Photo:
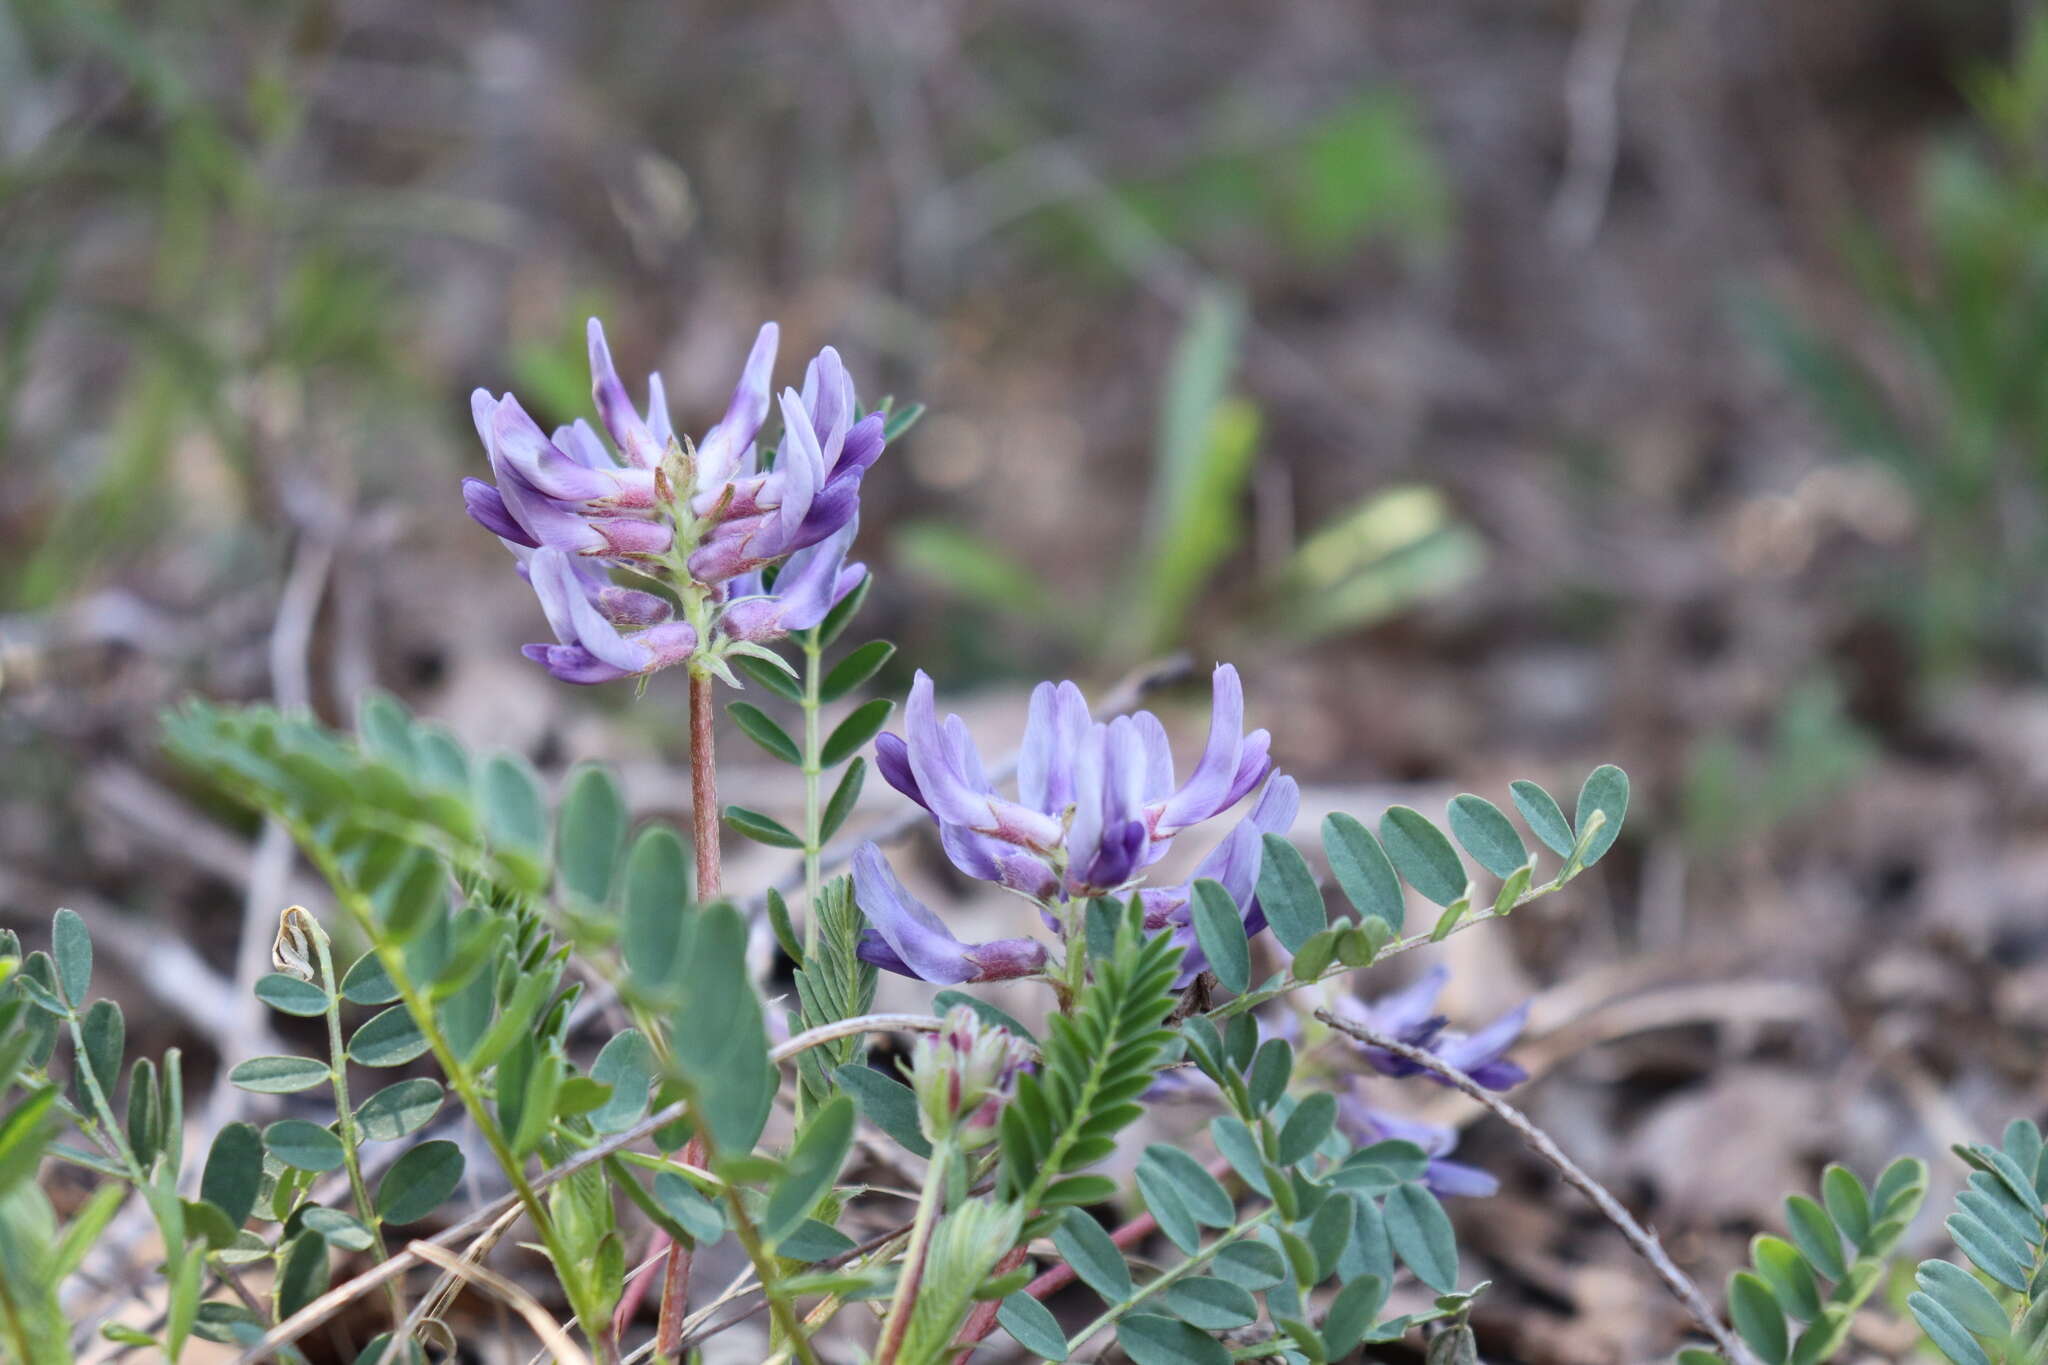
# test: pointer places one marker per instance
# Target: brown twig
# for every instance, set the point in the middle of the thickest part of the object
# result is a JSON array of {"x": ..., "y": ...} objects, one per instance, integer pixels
[{"x": 1640, "y": 1238}]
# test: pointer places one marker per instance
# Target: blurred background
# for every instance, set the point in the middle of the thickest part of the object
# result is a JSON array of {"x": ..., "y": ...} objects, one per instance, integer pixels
[{"x": 1506, "y": 386}]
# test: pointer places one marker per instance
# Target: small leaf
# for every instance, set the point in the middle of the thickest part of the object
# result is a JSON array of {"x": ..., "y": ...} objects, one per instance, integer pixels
[
  {"x": 1758, "y": 1317},
  {"x": 302, "y": 1271},
  {"x": 1288, "y": 893},
  {"x": 1606, "y": 791},
  {"x": 390, "y": 1038},
  {"x": 760, "y": 671},
  {"x": 1095, "y": 1259},
  {"x": 590, "y": 833},
  {"x": 1788, "y": 1275},
  {"x": 1847, "y": 1204},
  {"x": 862, "y": 725},
  {"x": 1311, "y": 1122},
  {"x": 1487, "y": 835},
  {"x": 1362, "y": 870},
  {"x": 626, "y": 1064},
  {"x": 1168, "y": 1209},
  {"x": 1212, "y": 1304},
  {"x": 657, "y": 905},
  {"x": 1271, "y": 1068},
  {"x": 515, "y": 815},
  {"x": 762, "y": 829},
  {"x": 1202, "y": 1192},
  {"x": 885, "y": 1102},
  {"x": 1352, "y": 1312},
  {"x": 105, "y": 1031},
  {"x": 1422, "y": 1237},
  {"x": 1942, "y": 1328},
  {"x": 843, "y": 798},
  {"x": 234, "y": 1171},
  {"x": 1963, "y": 1295},
  {"x": 399, "y": 1109},
  {"x": 1546, "y": 821},
  {"x": 1033, "y": 1326},
  {"x": 71, "y": 946},
  {"x": 756, "y": 725},
  {"x": 289, "y": 995},
  {"x": 303, "y": 1145},
  {"x": 1241, "y": 1149},
  {"x": 419, "y": 1181},
  {"x": 855, "y": 669},
  {"x": 1251, "y": 1264},
  {"x": 1219, "y": 929},
  {"x": 340, "y": 1229},
  {"x": 697, "y": 1216},
  {"x": 810, "y": 1169},
  {"x": 367, "y": 983},
  {"x": 278, "y": 1075},
  {"x": 1423, "y": 855},
  {"x": 1813, "y": 1232},
  {"x": 1149, "y": 1339}
]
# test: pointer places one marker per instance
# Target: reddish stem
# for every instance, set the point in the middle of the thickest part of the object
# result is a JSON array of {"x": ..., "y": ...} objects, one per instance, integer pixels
[
  {"x": 982, "y": 1320},
  {"x": 675, "y": 1281},
  {"x": 704, "y": 787}
]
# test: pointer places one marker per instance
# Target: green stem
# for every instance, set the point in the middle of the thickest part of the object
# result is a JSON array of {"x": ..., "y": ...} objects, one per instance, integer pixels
[
  {"x": 114, "y": 1137},
  {"x": 897, "y": 1324},
  {"x": 10, "y": 1311},
  {"x": 780, "y": 1309},
  {"x": 1253, "y": 999},
  {"x": 351, "y": 1136},
  {"x": 1193, "y": 1263}
]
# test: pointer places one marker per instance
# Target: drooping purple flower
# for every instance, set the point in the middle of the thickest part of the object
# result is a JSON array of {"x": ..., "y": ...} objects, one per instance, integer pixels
[
  {"x": 907, "y": 938},
  {"x": 1409, "y": 1016},
  {"x": 590, "y": 648},
  {"x": 1364, "y": 1125},
  {"x": 811, "y": 582},
  {"x": 1096, "y": 801},
  {"x": 1096, "y": 804}
]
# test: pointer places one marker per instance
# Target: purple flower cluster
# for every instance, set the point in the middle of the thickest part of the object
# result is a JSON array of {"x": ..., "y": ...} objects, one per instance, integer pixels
[
  {"x": 1097, "y": 804},
  {"x": 707, "y": 518}
]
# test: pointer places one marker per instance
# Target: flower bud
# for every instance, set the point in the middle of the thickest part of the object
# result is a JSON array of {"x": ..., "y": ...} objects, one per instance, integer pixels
[{"x": 963, "y": 1075}]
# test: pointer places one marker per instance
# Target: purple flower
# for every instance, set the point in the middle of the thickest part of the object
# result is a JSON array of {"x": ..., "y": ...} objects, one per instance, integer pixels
[
  {"x": 907, "y": 938},
  {"x": 1364, "y": 1125},
  {"x": 592, "y": 649},
  {"x": 602, "y": 506},
  {"x": 1097, "y": 802},
  {"x": 813, "y": 489},
  {"x": 811, "y": 582},
  {"x": 1409, "y": 1016}
]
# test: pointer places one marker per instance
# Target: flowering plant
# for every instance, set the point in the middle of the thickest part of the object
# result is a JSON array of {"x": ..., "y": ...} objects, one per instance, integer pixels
[{"x": 574, "y": 997}]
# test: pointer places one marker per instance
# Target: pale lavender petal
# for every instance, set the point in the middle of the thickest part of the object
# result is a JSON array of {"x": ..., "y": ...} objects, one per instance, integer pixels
[
  {"x": 863, "y": 444},
  {"x": 658, "y": 424},
  {"x": 562, "y": 598},
  {"x": 915, "y": 936},
  {"x": 1158, "y": 757},
  {"x": 487, "y": 506},
  {"x": 719, "y": 455},
  {"x": 629, "y": 433},
  {"x": 1038, "y": 752},
  {"x": 1252, "y": 766},
  {"x": 946, "y": 792},
  {"x": 1204, "y": 792},
  {"x": 522, "y": 444},
  {"x": 799, "y": 466},
  {"x": 580, "y": 442},
  {"x": 892, "y": 761},
  {"x": 547, "y": 521},
  {"x": 573, "y": 664}
]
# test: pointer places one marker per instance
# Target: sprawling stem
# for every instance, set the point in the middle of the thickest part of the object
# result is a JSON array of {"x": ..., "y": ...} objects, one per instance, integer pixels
[
  {"x": 351, "y": 1135},
  {"x": 929, "y": 1205}
]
